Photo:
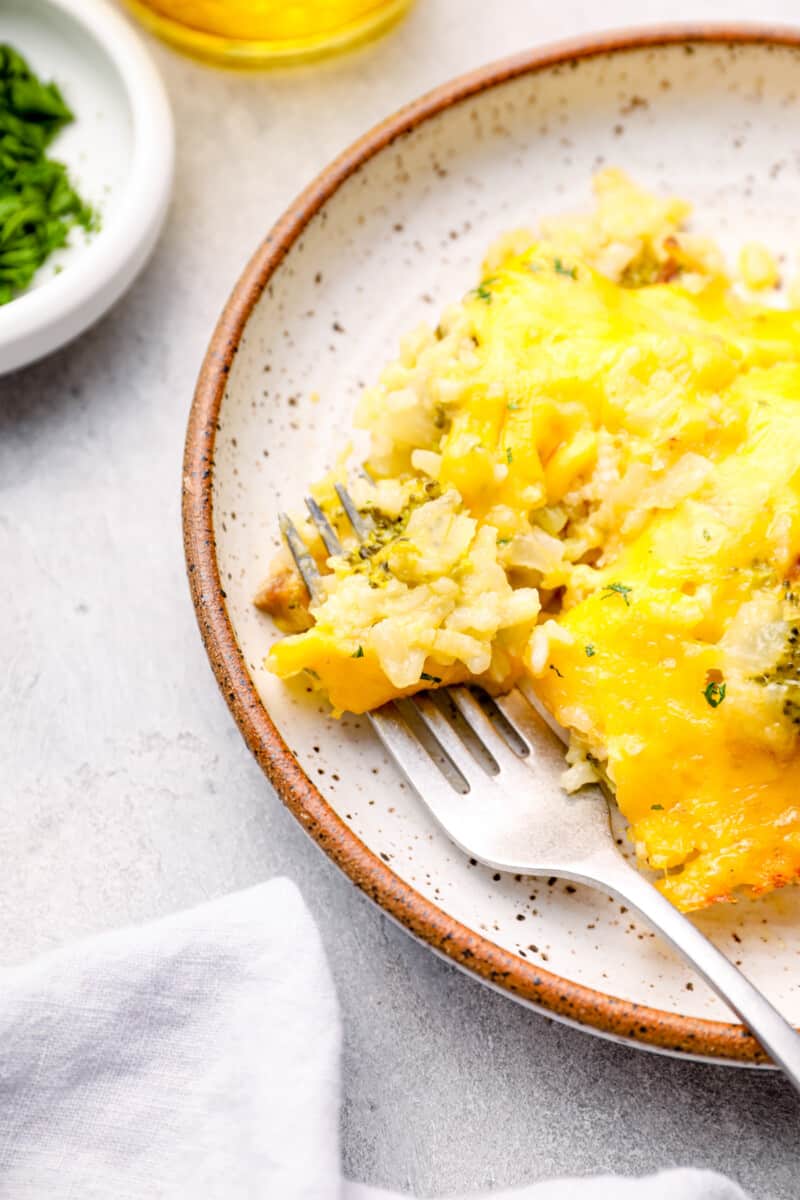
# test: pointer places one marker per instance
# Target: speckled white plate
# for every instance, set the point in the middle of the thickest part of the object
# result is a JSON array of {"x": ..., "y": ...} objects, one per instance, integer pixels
[{"x": 392, "y": 231}]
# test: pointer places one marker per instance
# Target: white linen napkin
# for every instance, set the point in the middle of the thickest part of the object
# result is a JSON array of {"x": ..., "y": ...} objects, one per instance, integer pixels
[{"x": 197, "y": 1058}]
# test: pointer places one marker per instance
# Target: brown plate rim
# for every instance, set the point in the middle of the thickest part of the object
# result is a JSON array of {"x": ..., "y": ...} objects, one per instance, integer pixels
[{"x": 602, "y": 1013}]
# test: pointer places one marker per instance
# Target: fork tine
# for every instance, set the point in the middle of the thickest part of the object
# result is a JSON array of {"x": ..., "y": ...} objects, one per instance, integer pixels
[
  {"x": 526, "y": 689},
  {"x": 484, "y": 728},
  {"x": 303, "y": 560},
  {"x": 539, "y": 728},
  {"x": 440, "y": 728},
  {"x": 523, "y": 695},
  {"x": 363, "y": 526},
  {"x": 323, "y": 527},
  {"x": 516, "y": 711},
  {"x": 407, "y": 750}
]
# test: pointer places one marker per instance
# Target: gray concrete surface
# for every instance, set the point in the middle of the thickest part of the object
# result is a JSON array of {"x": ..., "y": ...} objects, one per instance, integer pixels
[{"x": 125, "y": 790}]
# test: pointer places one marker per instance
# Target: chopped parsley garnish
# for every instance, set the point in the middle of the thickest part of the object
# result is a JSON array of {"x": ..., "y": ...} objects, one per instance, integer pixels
[
  {"x": 38, "y": 204},
  {"x": 430, "y": 678},
  {"x": 560, "y": 269},
  {"x": 359, "y": 653},
  {"x": 589, "y": 650},
  {"x": 483, "y": 290},
  {"x": 513, "y": 407},
  {"x": 706, "y": 535},
  {"x": 715, "y": 693},
  {"x": 657, "y": 807},
  {"x": 503, "y": 541},
  {"x": 618, "y": 589}
]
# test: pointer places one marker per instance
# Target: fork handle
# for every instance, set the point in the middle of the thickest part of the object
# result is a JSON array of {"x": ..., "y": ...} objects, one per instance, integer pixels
[{"x": 768, "y": 1027}]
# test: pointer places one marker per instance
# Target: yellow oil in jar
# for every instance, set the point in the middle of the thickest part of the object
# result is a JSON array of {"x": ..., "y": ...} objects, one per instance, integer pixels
[{"x": 253, "y": 32}]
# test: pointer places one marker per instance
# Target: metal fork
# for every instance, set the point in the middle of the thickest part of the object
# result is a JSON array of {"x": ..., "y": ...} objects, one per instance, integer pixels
[{"x": 493, "y": 787}]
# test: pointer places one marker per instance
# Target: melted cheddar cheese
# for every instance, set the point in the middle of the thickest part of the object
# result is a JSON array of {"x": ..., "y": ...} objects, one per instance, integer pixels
[{"x": 593, "y": 475}]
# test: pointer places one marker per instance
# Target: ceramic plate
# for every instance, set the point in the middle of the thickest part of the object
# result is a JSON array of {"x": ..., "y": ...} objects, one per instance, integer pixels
[
  {"x": 389, "y": 233},
  {"x": 119, "y": 151}
]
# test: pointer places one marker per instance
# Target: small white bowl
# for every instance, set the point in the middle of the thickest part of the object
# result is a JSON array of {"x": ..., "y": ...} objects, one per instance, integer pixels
[{"x": 120, "y": 155}]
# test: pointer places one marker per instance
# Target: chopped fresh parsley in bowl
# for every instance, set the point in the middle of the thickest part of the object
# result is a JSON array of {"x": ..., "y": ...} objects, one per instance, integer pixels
[{"x": 39, "y": 205}]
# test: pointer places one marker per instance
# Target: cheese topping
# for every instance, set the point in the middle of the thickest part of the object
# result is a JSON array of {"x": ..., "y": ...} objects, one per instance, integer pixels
[{"x": 590, "y": 471}]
